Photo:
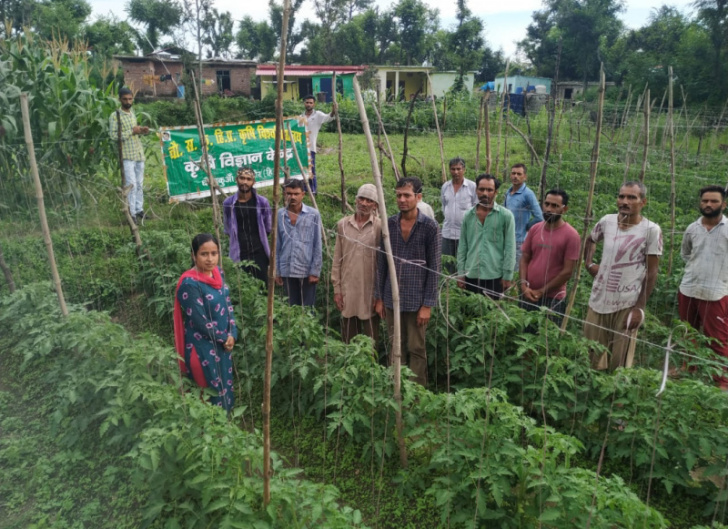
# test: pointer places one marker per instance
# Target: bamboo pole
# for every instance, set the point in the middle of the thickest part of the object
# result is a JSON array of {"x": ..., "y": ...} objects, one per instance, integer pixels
[
  {"x": 659, "y": 114},
  {"x": 505, "y": 139},
  {"x": 344, "y": 202},
  {"x": 671, "y": 128},
  {"x": 717, "y": 125},
  {"x": 486, "y": 125},
  {"x": 41, "y": 205},
  {"x": 588, "y": 211},
  {"x": 396, "y": 340},
  {"x": 528, "y": 144},
  {"x": 267, "y": 470},
  {"x": 389, "y": 146},
  {"x": 437, "y": 127},
  {"x": 549, "y": 137},
  {"x": 480, "y": 133},
  {"x": 500, "y": 114},
  {"x": 6, "y": 272},
  {"x": 631, "y": 142},
  {"x": 646, "y": 145},
  {"x": 214, "y": 188},
  {"x": 406, "y": 133}
]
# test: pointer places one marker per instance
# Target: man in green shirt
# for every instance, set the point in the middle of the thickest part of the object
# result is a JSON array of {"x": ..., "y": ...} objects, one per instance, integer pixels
[{"x": 487, "y": 248}]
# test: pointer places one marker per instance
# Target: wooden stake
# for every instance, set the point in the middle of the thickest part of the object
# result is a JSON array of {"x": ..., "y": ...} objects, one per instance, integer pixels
[
  {"x": 41, "y": 205},
  {"x": 214, "y": 188},
  {"x": 480, "y": 133},
  {"x": 6, "y": 272},
  {"x": 588, "y": 210},
  {"x": 500, "y": 114},
  {"x": 389, "y": 147},
  {"x": 341, "y": 150},
  {"x": 486, "y": 125},
  {"x": 646, "y": 145},
  {"x": 671, "y": 129},
  {"x": 406, "y": 133},
  {"x": 549, "y": 137},
  {"x": 437, "y": 127},
  {"x": 396, "y": 340},
  {"x": 659, "y": 115},
  {"x": 267, "y": 471}
]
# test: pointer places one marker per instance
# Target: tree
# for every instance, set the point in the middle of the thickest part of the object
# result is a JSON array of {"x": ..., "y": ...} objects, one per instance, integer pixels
[
  {"x": 417, "y": 26},
  {"x": 217, "y": 32},
  {"x": 583, "y": 28},
  {"x": 18, "y": 13},
  {"x": 108, "y": 36},
  {"x": 466, "y": 43},
  {"x": 492, "y": 63},
  {"x": 294, "y": 38},
  {"x": 353, "y": 7},
  {"x": 256, "y": 40},
  {"x": 713, "y": 14},
  {"x": 159, "y": 16}
]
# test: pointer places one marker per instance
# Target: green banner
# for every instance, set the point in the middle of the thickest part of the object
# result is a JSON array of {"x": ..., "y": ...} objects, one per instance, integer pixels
[{"x": 229, "y": 146}]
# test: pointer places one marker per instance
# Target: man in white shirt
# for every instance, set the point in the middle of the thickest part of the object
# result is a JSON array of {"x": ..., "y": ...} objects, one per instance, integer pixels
[
  {"x": 703, "y": 293},
  {"x": 457, "y": 196},
  {"x": 312, "y": 119},
  {"x": 624, "y": 279}
]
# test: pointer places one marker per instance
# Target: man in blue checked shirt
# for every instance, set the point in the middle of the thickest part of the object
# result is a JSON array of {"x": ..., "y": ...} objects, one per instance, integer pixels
[
  {"x": 415, "y": 240},
  {"x": 522, "y": 202},
  {"x": 298, "y": 246}
]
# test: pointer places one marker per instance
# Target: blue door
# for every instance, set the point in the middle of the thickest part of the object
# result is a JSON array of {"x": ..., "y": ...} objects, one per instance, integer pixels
[{"x": 326, "y": 87}]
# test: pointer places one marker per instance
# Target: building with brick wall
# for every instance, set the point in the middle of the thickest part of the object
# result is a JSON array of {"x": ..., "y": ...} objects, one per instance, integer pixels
[{"x": 159, "y": 74}]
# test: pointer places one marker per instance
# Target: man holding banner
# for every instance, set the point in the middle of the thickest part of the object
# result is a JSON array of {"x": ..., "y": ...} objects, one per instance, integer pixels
[
  {"x": 247, "y": 220},
  {"x": 313, "y": 119}
]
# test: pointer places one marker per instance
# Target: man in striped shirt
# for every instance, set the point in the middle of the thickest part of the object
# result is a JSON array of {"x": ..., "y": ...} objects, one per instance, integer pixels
[{"x": 132, "y": 151}]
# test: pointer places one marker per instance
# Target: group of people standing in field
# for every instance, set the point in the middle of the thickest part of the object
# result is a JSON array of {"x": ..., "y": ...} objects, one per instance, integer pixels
[
  {"x": 489, "y": 250},
  {"x": 487, "y": 246}
]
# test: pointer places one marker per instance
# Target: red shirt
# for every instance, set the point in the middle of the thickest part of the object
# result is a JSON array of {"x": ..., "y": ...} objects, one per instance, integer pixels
[{"x": 549, "y": 249}]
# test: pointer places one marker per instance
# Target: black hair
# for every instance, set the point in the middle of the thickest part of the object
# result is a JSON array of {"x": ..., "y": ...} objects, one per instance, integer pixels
[
  {"x": 309, "y": 96},
  {"x": 522, "y": 165},
  {"x": 486, "y": 176},
  {"x": 413, "y": 181},
  {"x": 640, "y": 185},
  {"x": 560, "y": 192},
  {"x": 202, "y": 238},
  {"x": 713, "y": 189},
  {"x": 294, "y": 183},
  {"x": 125, "y": 91},
  {"x": 457, "y": 161}
]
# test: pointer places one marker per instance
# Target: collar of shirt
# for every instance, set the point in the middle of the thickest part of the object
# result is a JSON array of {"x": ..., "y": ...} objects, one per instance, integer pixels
[
  {"x": 517, "y": 191},
  {"x": 351, "y": 219}
]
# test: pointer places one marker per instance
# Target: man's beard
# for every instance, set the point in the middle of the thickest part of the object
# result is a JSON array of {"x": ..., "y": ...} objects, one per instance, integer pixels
[
  {"x": 551, "y": 218},
  {"x": 710, "y": 214},
  {"x": 126, "y": 107}
]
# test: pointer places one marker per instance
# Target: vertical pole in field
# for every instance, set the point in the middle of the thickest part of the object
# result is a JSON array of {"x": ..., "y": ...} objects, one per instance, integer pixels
[
  {"x": 486, "y": 126},
  {"x": 553, "y": 96},
  {"x": 272, "y": 266},
  {"x": 6, "y": 272},
  {"x": 437, "y": 126},
  {"x": 646, "y": 138},
  {"x": 41, "y": 205},
  {"x": 480, "y": 133},
  {"x": 500, "y": 114},
  {"x": 341, "y": 150},
  {"x": 396, "y": 339},
  {"x": 206, "y": 161},
  {"x": 588, "y": 210},
  {"x": 671, "y": 131}
]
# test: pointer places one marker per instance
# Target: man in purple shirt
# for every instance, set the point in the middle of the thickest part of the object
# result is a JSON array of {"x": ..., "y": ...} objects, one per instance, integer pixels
[{"x": 247, "y": 220}]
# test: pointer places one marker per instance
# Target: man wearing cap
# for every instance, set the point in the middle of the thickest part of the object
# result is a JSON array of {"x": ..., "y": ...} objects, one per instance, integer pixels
[{"x": 354, "y": 270}]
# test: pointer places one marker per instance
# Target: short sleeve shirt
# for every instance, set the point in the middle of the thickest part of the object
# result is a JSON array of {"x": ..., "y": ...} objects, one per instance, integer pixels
[
  {"x": 705, "y": 253},
  {"x": 313, "y": 126},
  {"x": 623, "y": 267},
  {"x": 549, "y": 250}
]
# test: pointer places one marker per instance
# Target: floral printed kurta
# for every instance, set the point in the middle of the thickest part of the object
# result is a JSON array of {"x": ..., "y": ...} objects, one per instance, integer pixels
[{"x": 208, "y": 321}]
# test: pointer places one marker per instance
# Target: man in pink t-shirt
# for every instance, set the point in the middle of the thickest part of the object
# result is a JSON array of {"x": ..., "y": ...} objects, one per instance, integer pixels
[{"x": 548, "y": 256}]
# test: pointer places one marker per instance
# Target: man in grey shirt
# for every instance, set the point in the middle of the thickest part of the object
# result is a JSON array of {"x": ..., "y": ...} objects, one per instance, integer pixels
[{"x": 703, "y": 293}]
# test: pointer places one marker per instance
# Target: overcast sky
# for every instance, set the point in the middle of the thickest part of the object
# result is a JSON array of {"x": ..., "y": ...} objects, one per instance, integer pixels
[{"x": 504, "y": 26}]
